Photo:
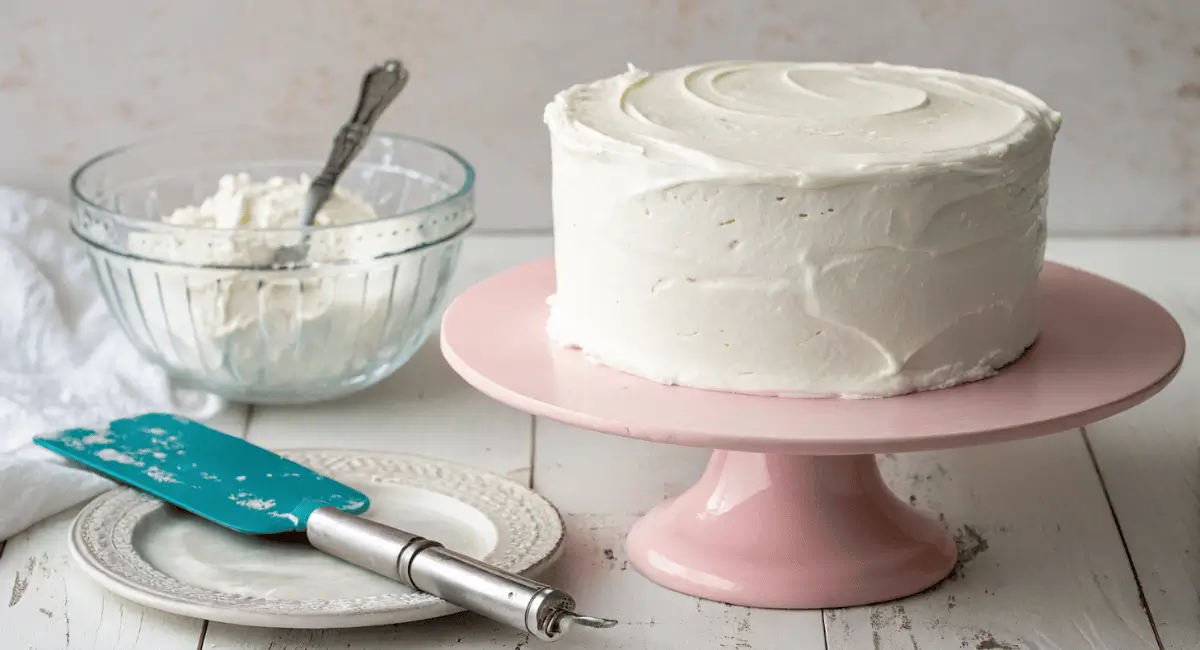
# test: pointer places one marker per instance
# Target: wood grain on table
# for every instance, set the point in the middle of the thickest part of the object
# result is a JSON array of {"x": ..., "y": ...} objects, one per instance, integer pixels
[{"x": 1088, "y": 539}]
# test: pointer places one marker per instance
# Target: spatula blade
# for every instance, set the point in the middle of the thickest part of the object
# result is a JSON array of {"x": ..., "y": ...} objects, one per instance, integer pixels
[{"x": 217, "y": 476}]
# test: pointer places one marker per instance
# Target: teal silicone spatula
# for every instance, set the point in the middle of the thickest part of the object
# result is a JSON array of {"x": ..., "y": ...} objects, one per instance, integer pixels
[{"x": 252, "y": 490}]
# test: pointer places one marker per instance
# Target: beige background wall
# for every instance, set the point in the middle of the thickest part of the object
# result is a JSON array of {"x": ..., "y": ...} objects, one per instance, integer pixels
[{"x": 80, "y": 75}]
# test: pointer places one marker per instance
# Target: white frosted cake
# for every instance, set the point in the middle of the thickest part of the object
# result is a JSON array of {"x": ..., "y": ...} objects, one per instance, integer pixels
[{"x": 799, "y": 229}]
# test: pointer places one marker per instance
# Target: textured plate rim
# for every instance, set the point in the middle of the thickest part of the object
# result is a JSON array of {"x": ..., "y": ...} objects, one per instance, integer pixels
[{"x": 110, "y": 519}]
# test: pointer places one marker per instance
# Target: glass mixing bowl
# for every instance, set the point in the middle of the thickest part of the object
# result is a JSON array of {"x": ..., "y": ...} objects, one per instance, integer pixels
[{"x": 212, "y": 307}]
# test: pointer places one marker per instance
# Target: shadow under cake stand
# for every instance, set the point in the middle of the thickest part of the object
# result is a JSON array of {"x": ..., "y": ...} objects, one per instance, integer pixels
[{"x": 792, "y": 511}]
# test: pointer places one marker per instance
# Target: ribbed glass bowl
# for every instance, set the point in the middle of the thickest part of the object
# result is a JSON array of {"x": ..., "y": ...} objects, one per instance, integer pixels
[{"x": 211, "y": 307}]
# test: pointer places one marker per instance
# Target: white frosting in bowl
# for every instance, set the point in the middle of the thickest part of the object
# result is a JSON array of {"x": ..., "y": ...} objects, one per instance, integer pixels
[{"x": 799, "y": 229}]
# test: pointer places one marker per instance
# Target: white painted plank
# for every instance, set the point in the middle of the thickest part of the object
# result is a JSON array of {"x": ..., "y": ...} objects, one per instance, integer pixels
[
  {"x": 52, "y": 604},
  {"x": 602, "y": 483},
  {"x": 461, "y": 632},
  {"x": 1151, "y": 466},
  {"x": 1149, "y": 457},
  {"x": 1137, "y": 479},
  {"x": 426, "y": 409},
  {"x": 1041, "y": 563},
  {"x": 485, "y": 255},
  {"x": 588, "y": 473},
  {"x": 232, "y": 419}
]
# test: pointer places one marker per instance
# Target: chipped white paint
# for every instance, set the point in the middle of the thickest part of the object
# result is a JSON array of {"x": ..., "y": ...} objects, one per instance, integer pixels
[
  {"x": 52, "y": 606},
  {"x": 1150, "y": 456},
  {"x": 1042, "y": 562}
]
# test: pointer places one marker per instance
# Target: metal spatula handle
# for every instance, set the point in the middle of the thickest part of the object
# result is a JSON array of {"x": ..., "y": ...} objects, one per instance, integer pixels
[{"x": 543, "y": 611}]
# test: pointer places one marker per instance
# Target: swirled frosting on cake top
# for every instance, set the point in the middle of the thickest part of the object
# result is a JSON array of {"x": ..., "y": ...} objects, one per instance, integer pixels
[{"x": 812, "y": 120}]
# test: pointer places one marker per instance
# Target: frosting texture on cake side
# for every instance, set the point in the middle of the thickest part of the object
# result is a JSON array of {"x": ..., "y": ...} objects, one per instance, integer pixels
[{"x": 821, "y": 229}]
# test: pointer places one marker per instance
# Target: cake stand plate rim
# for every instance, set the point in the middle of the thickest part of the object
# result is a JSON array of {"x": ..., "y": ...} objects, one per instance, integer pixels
[{"x": 1104, "y": 348}]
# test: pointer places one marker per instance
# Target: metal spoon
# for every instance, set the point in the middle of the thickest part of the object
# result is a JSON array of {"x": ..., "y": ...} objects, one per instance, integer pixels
[{"x": 379, "y": 87}]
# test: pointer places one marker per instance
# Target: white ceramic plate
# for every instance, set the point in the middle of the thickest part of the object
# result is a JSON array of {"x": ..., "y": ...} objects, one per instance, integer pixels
[{"x": 156, "y": 555}]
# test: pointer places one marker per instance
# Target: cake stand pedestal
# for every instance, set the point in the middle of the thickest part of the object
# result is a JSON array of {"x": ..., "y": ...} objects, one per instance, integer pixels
[{"x": 792, "y": 511}]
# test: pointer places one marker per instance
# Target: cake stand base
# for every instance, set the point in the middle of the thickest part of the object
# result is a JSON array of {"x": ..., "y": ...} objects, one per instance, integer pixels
[
  {"x": 792, "y": 511},
  {"x": 792, "y": 532}
]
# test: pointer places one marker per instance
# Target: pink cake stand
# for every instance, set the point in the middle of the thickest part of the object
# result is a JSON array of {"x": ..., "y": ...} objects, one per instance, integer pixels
[{"x": 792, "y": 511}]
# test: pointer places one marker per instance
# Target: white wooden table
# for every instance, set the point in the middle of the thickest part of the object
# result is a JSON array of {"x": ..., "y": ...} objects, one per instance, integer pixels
[{"x": 1088, "y": 539}]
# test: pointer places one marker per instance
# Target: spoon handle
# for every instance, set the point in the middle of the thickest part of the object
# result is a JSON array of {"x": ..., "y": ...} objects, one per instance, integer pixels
[{"x": 380, "y": 86}]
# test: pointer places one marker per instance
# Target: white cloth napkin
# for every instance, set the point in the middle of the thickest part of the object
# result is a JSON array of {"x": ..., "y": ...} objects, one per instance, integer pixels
[{"x": 64, "y": 362}]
